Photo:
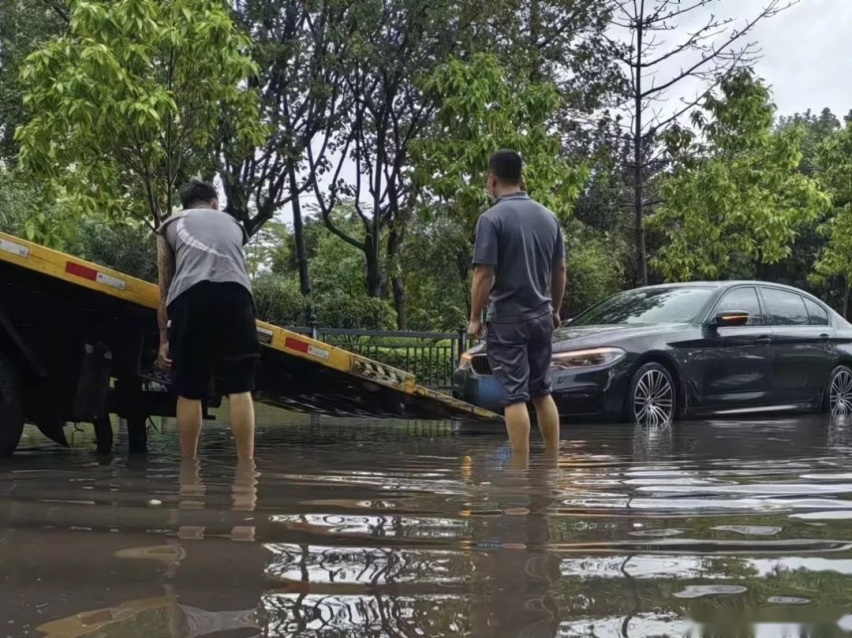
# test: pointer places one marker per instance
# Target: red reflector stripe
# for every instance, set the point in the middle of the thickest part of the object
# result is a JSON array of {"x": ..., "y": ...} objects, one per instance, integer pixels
[
  {"x": 93, "y": 275},
  {"x": 81, "y": 271},
  {"x": 295, "y": 344}
]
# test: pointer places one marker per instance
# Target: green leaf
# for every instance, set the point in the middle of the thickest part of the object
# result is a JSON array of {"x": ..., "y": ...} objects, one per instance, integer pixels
[
  {"x": 735, "y": 194},
  {"x": 97, "y": 97}
]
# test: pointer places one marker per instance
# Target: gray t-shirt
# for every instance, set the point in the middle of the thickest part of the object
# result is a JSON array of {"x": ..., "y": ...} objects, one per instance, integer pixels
[
  {"x": 208, "y": 246},
  {"x": 521, "y": 239}
]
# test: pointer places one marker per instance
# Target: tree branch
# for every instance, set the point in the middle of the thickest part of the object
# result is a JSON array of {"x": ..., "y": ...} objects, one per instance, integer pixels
[
  {"x": 771, "y": 9},
  {"x": 61, "y": 11},
  {"x": 326, "y": 208}
]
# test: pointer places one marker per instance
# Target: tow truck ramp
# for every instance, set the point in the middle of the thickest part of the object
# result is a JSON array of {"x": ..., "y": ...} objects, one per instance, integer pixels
[{"x": 46, "y": 293}]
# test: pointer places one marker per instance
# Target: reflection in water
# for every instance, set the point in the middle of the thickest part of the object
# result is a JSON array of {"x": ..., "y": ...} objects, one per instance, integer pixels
[
  {"x": 652, "y": 442},
  {"x": 186, "y": 620},
  {"x": 705, "y": 529},
  {"x": 840, "y": 431},
  {"x": 515, "y": 580}
]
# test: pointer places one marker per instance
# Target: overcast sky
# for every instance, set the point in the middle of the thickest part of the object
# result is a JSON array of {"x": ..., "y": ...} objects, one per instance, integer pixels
[
  {"x": 803, "y": 52},
  {"x": 805, "y": 57}
]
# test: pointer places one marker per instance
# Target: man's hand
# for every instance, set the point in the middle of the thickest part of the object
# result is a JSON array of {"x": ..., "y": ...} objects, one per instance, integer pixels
[
  {"x": 557, "y": 321},
  {"x": 163, "y": 359},
  {"x": 474, "y": 328}
]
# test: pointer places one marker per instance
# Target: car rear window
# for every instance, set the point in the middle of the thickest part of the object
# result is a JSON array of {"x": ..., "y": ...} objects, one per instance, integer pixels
[
  {"x": 816, "y": 313},
  {"x": 785, "y": 308}
]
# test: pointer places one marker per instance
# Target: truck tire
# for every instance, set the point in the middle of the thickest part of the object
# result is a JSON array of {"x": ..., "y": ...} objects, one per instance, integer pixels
[{"x": 11, "y": 410}]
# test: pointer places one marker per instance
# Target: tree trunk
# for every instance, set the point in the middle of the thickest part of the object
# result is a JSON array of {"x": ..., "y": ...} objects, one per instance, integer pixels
[
  {"x": 399, "y": 301},
  {"x": 238, "y": 201},
  {"x": 395, "y": 239},
  {"x": 535, "y": 29},
  {"x": 373, "y": 281},
  {"x": 638, "y": 157},
  {"x": 299, "y": 232}
]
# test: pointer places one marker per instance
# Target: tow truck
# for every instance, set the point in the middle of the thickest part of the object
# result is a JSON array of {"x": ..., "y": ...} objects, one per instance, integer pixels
[{"x": 78, "y": 342}]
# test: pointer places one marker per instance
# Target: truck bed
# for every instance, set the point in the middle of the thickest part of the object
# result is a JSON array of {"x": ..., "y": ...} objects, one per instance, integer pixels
[{"x": 296, "y": 372}]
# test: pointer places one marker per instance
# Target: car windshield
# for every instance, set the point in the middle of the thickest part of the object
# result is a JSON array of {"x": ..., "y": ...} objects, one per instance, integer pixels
[{"x": 647, "y": 307}]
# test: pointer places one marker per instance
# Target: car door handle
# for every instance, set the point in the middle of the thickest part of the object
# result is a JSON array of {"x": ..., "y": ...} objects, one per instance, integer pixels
[
  {"x": 825, "y": 337},
  {"x": 764, "y": 339}
]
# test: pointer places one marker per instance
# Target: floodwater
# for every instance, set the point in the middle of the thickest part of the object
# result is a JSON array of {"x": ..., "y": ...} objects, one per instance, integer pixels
[{"x": 719, "y": 528}]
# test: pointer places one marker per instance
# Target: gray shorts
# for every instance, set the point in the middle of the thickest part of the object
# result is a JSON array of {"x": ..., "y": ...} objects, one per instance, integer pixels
[{"x": 519, "y": 355}]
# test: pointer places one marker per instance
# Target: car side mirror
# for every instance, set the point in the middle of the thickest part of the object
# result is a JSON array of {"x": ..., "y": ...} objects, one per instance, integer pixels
[{"x": 730, "y": 319}]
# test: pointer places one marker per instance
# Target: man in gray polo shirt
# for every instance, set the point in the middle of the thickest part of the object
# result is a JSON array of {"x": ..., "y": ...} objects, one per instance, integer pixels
[{"x": 519, "y": 272}]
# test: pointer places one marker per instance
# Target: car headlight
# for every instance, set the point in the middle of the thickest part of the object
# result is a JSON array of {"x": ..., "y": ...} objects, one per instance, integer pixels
[
  {"x": 466, "y": 361},
  {"x": 590, "y": 358}
]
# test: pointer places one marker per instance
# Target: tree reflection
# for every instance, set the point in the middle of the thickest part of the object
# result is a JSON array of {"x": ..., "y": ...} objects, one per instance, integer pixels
[
  {"x": 648, "y": 307},
  {"x": 340, "y": 589}
]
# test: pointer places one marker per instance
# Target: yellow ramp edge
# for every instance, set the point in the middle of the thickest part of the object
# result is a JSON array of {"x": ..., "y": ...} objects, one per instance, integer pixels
[{"x": 110, "y": 282}]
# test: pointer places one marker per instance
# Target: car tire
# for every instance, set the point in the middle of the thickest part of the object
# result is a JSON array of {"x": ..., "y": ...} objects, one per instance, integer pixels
[
  {"x": 11, "y": 409},
  {"x": 837, "y": 399},
  {"x": 652, "y": 398}
]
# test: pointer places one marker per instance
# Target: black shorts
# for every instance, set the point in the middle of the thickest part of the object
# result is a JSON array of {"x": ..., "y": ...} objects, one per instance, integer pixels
[
  {"x": 519, "y": 355},
  {"x": 213, "y": 336}
]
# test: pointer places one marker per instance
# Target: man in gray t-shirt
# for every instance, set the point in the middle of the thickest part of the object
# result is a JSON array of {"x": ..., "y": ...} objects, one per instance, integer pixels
[
  {"x": 519, "y": 272},
  {"x": 206, "y": 316}
]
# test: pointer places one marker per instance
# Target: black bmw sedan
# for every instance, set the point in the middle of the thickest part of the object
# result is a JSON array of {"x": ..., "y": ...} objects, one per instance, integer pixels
[{"x": 659, "y": 353}]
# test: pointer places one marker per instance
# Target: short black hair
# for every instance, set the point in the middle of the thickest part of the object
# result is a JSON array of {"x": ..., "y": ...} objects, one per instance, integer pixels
[
  {"x": 195, "y": 193},
  {"x": 507, "y": 166}
]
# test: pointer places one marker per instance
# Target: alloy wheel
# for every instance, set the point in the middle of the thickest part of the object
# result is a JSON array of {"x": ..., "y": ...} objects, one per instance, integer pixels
[
  {"x": 840, "y": 394},
  {"x": 653, "y": 399}
]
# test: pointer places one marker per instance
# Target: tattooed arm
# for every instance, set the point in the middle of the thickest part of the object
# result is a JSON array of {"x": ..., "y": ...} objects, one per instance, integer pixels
[{"x": 166, "y": 268}]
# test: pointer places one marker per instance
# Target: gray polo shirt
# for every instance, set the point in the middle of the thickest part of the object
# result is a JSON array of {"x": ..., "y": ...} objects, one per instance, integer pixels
[
  {"x": 208, "y": 246},
  {"x": 521, "y": 239}
]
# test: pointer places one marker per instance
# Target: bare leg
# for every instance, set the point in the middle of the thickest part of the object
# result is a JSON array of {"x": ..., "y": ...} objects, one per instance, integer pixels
[
  {"x": 520, "y": 460},
  {"x": 547, "y": 416},
  {"x": 242, "y": 424},
  {"x": 518, "y": 427},
  {"x": 189, "y": 419}
]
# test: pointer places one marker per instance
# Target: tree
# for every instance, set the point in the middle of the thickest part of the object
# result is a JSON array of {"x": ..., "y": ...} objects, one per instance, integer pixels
[
  {"x": 835, "y": 161},
  {"x": 300, "y": 48},
  {"x": 595, "y": 263},
  {"x": 734, "y": 188},
  {"x": 436, "y": 262},
  {"x": 564, "y": 42},
  {"x": 128, "y": 103},
  {"x": 24, "y": 26},
  {"x": 394, "y": 45},
  {"x": 817, "y": 129},
  {"x": 708, "y": 51},
  {"x": 480, "y": 111},
  {"x": 264, "y": 249},
  {"x": 338, "y": 297},
  {"x": 128, "y": 247},
  {"x": 798, "y": 268},
  {"x": 27, "y": 210}
]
